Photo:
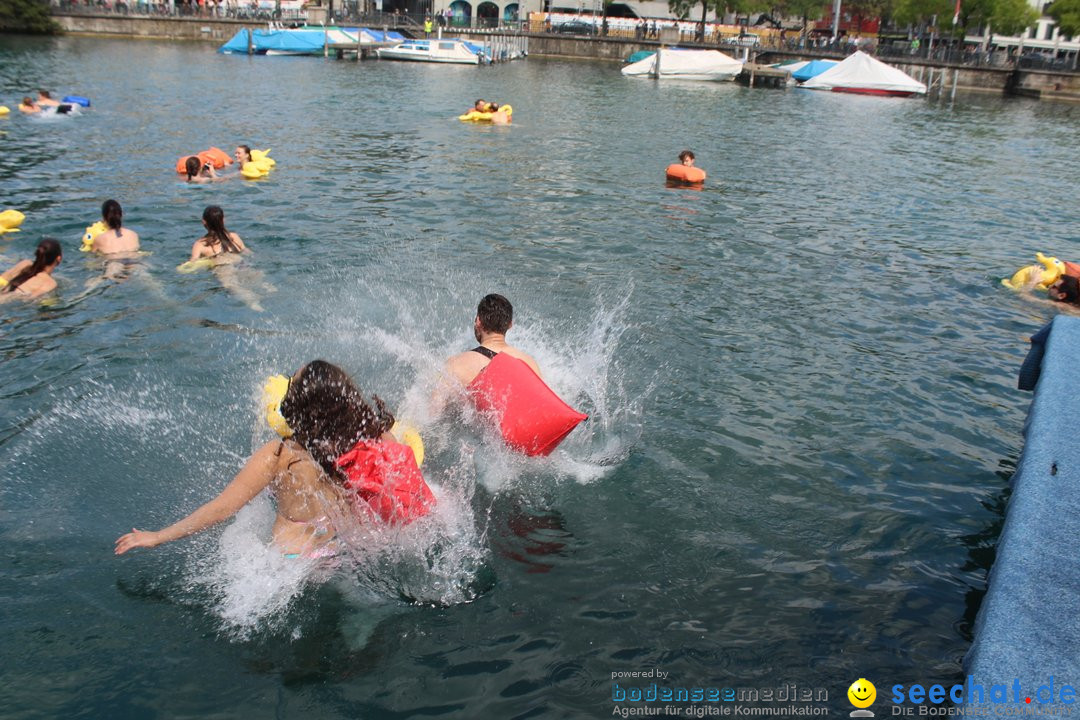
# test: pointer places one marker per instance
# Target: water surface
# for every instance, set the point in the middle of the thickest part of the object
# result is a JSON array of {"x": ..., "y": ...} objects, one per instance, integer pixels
[{"x": 801, "y": 380}]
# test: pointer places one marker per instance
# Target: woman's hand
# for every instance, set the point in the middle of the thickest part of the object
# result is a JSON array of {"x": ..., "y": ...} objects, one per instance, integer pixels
[{"x": 137, "y": 538}]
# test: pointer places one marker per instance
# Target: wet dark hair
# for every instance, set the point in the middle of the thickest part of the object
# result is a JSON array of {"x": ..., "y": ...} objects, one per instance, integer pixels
[
  {"x": 45, "y": 255},
  {"x": 45, "y": 94},
  {"x": 495, "y": 313},
  {"x": 246, "y": 149},
  {"x": 686, "y": 154},
  {"x": 27, "y": 100},
  {"x": 329, "y": 415},
  {"x": 214, "y": 217},
  {"x": 1070, "y": 287},
  {"x": 112, "y": 214},
  {"x": 192, "y": 166}
]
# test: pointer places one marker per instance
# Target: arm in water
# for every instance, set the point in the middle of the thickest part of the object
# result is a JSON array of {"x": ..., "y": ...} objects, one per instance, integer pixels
[{"x": 249, "y": 482}]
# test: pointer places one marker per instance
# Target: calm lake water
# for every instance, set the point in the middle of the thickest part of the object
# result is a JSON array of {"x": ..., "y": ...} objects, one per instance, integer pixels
[{"x": 801, "y": 381}]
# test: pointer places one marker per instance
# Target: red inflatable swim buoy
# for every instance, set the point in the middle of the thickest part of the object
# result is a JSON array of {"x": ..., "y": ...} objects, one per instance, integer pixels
[
  {"x": 215, "y": 156},
  {"x": 684, "y": 173},
  {"x": 532, "y": 418},
  {"x": 385, "y": 477}
]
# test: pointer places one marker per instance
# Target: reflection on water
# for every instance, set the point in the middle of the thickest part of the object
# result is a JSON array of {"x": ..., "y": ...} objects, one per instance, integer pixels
[{"x": 799, "y": 379}]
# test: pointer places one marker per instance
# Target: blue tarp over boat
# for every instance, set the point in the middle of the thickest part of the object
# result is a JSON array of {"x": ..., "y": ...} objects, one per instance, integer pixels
[
  {"x": 812, "y": 69},
  {"x": 306, "y": 41}
]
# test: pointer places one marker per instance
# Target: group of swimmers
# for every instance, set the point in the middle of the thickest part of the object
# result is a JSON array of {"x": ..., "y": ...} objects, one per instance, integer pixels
[
  {"x": 29, "y": 106},
  {"x": 199, "y": 172},
  {"x": 30, "y": 279},
  {"x": 498, "y": 117},
  {"x": 337, "y": 461}
]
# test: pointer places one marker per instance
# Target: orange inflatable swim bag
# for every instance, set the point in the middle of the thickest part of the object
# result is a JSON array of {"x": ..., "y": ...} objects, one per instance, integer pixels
[
  {"x": 215, "y": 156},
  {"x": 684, "y": 173},
  {"x": 387, "y": 480},
  {"x": 532, "y": 418}
]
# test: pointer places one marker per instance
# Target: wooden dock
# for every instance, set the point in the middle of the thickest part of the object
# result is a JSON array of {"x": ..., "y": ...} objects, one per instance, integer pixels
[
  {"x": 755, "y": 75},
  {"x": 356, "y": 50}
]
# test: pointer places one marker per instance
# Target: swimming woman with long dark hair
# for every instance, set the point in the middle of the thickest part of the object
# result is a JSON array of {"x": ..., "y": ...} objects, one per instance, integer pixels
[
  {"x": 117, "y": 238},
  {"x": 199, "y": 172},
  {"x": 32, "y": 278},
  {"x": 217, "y": 240},
  {"x": 334, "y": 465}
]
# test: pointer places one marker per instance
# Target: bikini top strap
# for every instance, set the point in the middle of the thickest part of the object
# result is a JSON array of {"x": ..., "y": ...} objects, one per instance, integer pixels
[{"x": 486, "y": 352}]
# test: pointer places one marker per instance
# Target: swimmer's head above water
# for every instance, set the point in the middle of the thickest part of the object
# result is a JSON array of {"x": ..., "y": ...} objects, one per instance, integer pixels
[
  {"x": 1065, "y": 289},
  {"x": 494, "y": 314},
  {"x": 327, "y": 413},
  {"x": 47, "y": 257},
  {"x": 242, "y": 154},
  {"x": 112, "y": 214}
]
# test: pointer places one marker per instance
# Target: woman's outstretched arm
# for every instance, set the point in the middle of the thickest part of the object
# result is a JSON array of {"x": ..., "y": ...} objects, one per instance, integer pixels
[{"x": 249, "y": 482}]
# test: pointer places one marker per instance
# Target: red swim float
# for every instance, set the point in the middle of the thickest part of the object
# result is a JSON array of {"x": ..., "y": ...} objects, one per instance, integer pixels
[
  {"x": 685, "y": 173},
  {"x": 385, "y": 477},
  {"x": 215, "y": 156},
  {"x": 532, "y": 418}
]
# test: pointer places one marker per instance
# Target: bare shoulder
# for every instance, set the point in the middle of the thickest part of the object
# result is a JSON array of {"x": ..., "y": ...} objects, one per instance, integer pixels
[
  {"x": 466, "y": 366},
  {"x": 524, "y": 357},
  {"x": 236, "y": 239},
  {"x": 18, "y": 268}
]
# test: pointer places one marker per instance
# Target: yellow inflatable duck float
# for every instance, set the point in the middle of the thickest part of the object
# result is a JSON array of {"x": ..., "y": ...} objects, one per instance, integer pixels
[
  {"x": 92, "y": 231},
  {"x": 259, "y": 165},
  {"x": 487, "y": 117},
  {"x": 274, "y": 390},
  {"x": 10, "y": 220},
  {"x": 1041, "y": 275}
]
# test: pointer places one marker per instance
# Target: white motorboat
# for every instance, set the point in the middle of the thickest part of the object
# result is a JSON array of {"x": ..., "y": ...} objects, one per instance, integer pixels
[
  {"x": 686, "y": 64},
  {"x": 439, "y": 50}
]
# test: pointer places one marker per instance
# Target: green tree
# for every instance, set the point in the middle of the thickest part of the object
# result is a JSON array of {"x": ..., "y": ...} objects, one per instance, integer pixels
[
  {"x": 916, "y": 12},
  {"x": 1066, "y": 14},
  {"x": 26, "y": 16},
  {"x": 1012, "y": 16},
  {"x": 683, "y": 8},
  {"x": 806, "y": 10},
  {"x": 1006, "y": 17}
]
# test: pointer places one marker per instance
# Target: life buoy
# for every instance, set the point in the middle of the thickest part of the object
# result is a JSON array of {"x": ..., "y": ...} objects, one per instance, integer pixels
[
  {"x": 532, "y": 418},
  {"x": 684, "y": 173},
  {"x": 215, "y": 156},
  {"x": 387, "y": 481},
  {"x": 91, "y": 232}
]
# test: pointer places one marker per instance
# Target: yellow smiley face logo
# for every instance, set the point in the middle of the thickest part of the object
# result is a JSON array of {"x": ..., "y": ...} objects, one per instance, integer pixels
[{"x": 862, "y": 693}]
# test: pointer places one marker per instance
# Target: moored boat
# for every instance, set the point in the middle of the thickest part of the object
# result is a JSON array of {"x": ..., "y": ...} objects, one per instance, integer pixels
[
  {"x": 438, "y": 50},
  {"x": 686, "y": 64}
]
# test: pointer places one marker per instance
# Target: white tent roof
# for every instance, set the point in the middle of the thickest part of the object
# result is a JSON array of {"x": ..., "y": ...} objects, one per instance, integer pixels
[
  {"x": 677, "y": 62},
  {"x": 862, "y": 72}
]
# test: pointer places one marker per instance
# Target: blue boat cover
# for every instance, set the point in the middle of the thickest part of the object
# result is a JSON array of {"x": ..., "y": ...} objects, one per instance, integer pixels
[
  {"x": 1027, "y": 629},
  {"x": 299, "y": 40},
  {"x": 237, "y": 44},
  {"x": 812, "y": 69}
]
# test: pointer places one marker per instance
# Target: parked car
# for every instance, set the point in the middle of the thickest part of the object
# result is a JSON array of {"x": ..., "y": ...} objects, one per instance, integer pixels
[{"x": 575, "y": 27}]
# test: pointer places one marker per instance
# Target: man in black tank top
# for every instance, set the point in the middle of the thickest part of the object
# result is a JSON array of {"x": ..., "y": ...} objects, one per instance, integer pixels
[{"x": 494, "y": 318}]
